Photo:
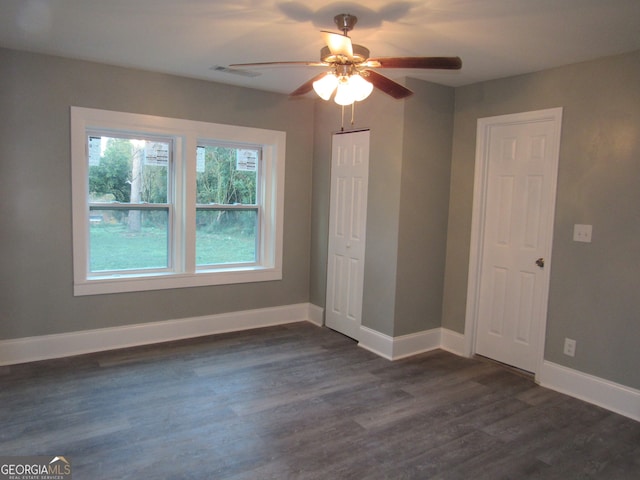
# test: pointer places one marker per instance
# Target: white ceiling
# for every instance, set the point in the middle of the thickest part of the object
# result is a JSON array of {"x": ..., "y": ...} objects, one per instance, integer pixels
[{"x": 494, "y": 38}]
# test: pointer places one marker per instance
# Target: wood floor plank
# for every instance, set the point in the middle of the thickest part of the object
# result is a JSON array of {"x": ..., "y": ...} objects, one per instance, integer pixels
[{"x": 301, "y": 402}]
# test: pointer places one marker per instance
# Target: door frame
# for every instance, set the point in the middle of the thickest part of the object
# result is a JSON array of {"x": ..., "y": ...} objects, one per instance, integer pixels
[{"x": 480, "y": 185}]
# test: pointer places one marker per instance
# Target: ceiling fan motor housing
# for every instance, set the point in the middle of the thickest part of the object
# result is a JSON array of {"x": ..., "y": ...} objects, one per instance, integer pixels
[{"x": 360, "y": 55}]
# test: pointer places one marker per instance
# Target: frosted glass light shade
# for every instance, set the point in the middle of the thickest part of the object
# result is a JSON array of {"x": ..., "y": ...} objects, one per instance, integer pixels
[
  {"x": 325, "y": 86},
  {"x": 360, "y": 87},
  {"x": 344, "y": 94},
  {"x": 351, "y": 89}
]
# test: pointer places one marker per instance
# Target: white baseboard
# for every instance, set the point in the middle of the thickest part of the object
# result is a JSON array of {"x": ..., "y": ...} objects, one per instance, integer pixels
[
  {"x": 316, "y": 315},
  {"x": 612, "y": 396},
  {"x": 376, "y": 342},
  {"x": 415, "y": 343},
  {"x": 45, "y": 347},
  {"x": 395, "y": 348},
  {"x": 453, "y": 342},
  {"x": 609, "y": 395}
]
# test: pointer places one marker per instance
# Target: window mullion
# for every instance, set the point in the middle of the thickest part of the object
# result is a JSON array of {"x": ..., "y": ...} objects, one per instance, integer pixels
[
  {"x": 222, "y": 206},
  {"x": 188, "y": 207},
  {"x": 128, "y": 206}
]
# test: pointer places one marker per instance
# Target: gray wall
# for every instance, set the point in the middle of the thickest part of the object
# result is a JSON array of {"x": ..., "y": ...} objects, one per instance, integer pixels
[
  {"x": 383, "y": 116},
  {"x": 594, "y": 287},
  {"x": 424, "y": 200},
  {"x": 410, "y": 151},
  {"x": 36, "y": 91}
]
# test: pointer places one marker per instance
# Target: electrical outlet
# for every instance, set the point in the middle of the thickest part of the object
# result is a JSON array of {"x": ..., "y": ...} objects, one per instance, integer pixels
[
  {"x": 569, "y": 347},
  {"x": 582, "y": 233}
]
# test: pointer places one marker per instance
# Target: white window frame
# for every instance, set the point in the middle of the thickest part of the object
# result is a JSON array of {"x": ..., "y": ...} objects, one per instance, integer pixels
[{"x": 186, "y": 134}]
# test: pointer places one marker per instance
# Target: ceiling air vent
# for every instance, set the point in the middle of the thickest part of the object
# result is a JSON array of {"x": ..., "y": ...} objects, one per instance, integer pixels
[{"x": 234, "y": 71}]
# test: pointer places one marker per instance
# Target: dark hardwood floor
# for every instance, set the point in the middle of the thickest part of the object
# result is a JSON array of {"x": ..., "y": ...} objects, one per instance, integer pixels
[{"x": 302, "y": 402}]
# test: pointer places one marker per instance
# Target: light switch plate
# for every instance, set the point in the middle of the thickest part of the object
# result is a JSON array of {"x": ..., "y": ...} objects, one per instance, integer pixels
[{"x": 582, "y": 233}]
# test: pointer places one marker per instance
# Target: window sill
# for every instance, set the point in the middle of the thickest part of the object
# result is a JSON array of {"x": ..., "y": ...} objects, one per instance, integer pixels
[{"x": 163, "y": 281}]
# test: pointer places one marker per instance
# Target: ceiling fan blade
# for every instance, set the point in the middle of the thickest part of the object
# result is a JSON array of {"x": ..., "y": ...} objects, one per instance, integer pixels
[
  {"x": 307, "y": 86},
  {"x": 445, "y": 63},
  {"x": 387, "y": 85},
  {"x": 275, "y": 64},
  {"x": 338, "y": 44}
]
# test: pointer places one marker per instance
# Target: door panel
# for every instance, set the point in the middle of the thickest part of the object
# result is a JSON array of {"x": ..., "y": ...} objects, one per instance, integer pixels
[
  {"x": 347, "y": 229},
  {"x": 521, "y": 169}
]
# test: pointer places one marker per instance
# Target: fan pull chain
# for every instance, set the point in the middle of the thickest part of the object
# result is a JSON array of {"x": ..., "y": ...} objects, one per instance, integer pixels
[{"x": 353, "y": 116}]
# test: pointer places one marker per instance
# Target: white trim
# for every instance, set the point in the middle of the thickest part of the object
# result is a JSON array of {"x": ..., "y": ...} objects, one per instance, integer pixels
[
  {"x": 316, "y": 315},
  {"x": 395, "y": 348},
  {"x": 452, "y": 342},
  {"x": 376, "y": 342},
  {"x": 604, "y": 393},
  {"x": 478, "y": 219},
  {"x": 415, "y": 343},
  {"x": 598, "y": 391},
  {"x": 186, "y": 134},
  {"x": 612, "y": 396},
  {"x": 176, "y": 280},
  {"x": 29, "y": 349}
]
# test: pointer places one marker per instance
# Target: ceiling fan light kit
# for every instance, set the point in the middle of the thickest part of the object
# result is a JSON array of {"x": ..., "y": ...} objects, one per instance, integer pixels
[
  {"x": 351, "y": 75},
  {"x": 351, "y": 89},
  {"x": 348, "y": 85}
]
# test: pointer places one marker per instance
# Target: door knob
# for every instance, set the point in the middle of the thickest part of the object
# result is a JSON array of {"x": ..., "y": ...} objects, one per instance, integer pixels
[{"x": 540, "y": 262}]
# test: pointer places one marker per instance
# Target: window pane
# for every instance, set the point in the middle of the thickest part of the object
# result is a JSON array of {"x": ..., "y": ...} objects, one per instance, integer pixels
[
  {"x": 128, "y": 240},
  {"x": 225, "y": 236},
  {"x": 226, "y": 175},
  {"x": 128, "y": 170}
]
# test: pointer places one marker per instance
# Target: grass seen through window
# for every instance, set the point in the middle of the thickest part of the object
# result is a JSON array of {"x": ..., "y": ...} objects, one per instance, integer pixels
[{"x": 114, "y": 247}]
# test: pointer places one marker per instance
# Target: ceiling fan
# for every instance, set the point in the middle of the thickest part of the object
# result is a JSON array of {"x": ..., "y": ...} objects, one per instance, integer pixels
[{"x": 351, "y": 73}]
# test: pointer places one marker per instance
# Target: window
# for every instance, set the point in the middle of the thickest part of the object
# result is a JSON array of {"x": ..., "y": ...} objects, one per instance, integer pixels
[
  {"x": 227, "y": 212},
  {"x": 168, "y": 203},
  {"x": 130, "y": 204}
]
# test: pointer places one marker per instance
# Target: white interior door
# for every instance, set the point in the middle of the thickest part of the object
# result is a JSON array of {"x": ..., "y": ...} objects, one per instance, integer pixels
[
  {"x": 519, "y": 170},
  {"x": 347, "y": 229}
]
